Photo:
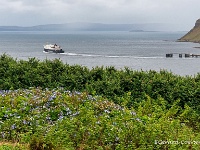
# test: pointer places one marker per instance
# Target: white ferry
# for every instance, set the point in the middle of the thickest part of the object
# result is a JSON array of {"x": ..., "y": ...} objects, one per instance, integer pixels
[{"x": 53, "y": 48}]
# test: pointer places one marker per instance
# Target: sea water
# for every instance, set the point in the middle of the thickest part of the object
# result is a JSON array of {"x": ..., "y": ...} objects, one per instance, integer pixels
[{"x": 135, "y": 50}]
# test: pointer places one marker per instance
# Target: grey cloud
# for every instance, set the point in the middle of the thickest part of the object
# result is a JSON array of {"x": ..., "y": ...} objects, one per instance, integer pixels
[{"x": 33, "y": 12}]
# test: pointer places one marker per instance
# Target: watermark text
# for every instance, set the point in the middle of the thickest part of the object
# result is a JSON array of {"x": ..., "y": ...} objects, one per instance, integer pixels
[{"x": 171, "y": 142}]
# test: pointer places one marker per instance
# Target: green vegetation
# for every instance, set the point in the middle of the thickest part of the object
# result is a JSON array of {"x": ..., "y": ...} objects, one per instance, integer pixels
[{"x": 46, "y": 105}]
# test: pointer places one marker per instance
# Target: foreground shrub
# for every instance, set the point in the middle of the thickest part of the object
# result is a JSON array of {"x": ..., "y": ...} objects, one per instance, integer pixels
[
  {"x": 105, "y": 81},
  {"x": 48, "y": 119},
  {"x": 101, "y": 108},
  {"x": 147, "y": 127}
]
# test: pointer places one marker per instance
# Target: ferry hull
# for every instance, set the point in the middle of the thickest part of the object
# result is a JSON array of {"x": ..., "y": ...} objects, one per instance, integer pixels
[{"x": 53, "y": 51}]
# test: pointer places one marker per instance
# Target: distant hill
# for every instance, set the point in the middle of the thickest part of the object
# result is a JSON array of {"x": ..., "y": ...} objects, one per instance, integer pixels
[
  {"x": 193, "y": 35},
  {"x": 87, "y": 27}
]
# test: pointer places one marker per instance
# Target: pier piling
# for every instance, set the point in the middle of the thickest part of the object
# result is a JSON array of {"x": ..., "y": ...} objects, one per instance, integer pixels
[
  {"x": 180, "y": 55},
  {"x": 169, "y": 55}
]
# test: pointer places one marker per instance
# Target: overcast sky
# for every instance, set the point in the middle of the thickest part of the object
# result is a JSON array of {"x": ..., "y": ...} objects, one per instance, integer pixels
[{"x": 182, "y": 13}]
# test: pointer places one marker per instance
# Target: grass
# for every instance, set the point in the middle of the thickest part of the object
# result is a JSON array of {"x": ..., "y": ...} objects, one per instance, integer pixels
[
  {"x": 13, "y": 146},
  {"x": 192, "y": 36}
]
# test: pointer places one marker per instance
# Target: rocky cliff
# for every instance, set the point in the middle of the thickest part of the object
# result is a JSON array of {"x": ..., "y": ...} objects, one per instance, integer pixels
[{"x": 193, "y": 35}]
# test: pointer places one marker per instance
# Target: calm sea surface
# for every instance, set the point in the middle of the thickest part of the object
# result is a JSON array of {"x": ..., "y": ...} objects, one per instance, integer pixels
[{"x": 136, "y": 50}]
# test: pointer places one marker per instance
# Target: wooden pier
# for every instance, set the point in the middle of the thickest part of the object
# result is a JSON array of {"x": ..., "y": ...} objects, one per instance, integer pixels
[{"x": 180, "y": 55}]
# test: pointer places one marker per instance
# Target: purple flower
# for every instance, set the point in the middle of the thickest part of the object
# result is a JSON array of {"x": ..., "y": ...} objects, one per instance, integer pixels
[{"x": 13, "y": 127}]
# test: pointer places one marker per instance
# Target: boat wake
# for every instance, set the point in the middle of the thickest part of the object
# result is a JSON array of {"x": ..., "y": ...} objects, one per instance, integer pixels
[
  {"x": 85, "y": 55},
  {"x": 108, "y": 56},
  {"x": 93, "y": 55},
  {"x": 150, "y": 57}
]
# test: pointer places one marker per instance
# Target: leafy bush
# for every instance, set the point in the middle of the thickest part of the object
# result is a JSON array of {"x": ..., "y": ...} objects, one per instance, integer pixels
[
  {"x": 50, "y": 105},
  {"x": 71, "y": 120}
]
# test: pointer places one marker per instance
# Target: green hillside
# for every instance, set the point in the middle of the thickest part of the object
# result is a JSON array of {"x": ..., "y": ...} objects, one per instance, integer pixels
[{"x": 193, "y": 35}]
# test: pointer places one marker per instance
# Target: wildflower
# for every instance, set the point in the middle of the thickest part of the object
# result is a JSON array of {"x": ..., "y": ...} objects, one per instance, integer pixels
[{"x": 13, "y": 126}]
